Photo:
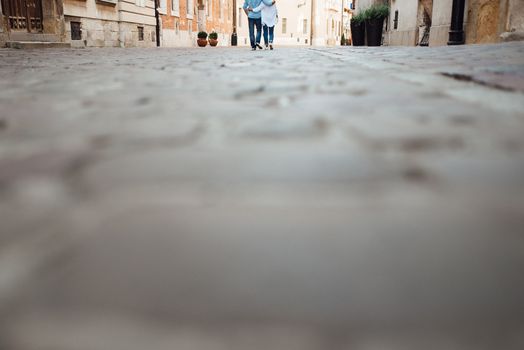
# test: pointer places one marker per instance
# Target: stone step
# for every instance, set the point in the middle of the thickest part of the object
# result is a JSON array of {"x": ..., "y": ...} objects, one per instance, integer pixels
[
  {"x": 40, "y": 37},
  {"x": 36, "y": 45}
]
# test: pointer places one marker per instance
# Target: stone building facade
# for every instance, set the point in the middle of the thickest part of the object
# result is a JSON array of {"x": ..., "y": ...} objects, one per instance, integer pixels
[
  {"x": 110, "y": 23},
  {"x": 93, "y": 23},
  {"x": 181, "y": 20},
  {"x": 419, "y": 22}
]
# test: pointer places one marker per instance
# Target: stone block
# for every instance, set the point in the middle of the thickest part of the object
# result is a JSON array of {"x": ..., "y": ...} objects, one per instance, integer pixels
[{"x": 439, "y": 35}]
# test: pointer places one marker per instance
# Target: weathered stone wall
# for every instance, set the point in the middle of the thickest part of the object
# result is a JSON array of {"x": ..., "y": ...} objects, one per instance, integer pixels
[
  {"x": 440, "y": 22},
  {"x": 178, "y": 38},
  {"x": 483, "y": 21},
  {"x": 53, "y": 17},
  {"x": 99, "y": 22},
  {"x": 401, "y": 38},
  {"x": 363, "y": 4},
  {"x": 111, "y": 24},
  {"x": 3, "y": 35},
  {"x": 406, "y": 32},
  {"x": 129, "y": 35},
  {"x": 513, "y": 25},
  {"x": 95, "y": 32}
]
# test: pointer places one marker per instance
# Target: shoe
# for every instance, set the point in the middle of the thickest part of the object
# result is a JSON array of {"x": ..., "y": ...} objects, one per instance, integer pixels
[
  {"x": 259, "y": 47},
  {"x": 271, "y": 46},
  {"x": 265, "y": 48},
  {"x": 253, "y": 49}
]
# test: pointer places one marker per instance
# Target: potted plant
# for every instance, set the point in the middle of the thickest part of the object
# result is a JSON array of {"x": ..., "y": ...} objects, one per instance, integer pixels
[
  {"x": 358, "y": 29},
  {"x": 213, "y": 38},
  {"x": 343, "y": 40},
  {"x": 374, "y": 17},
  {"x": 202, "y": 39}
]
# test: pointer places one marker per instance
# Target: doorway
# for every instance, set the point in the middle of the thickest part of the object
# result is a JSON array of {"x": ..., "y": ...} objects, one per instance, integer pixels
[{"x": 23, "y": 15}]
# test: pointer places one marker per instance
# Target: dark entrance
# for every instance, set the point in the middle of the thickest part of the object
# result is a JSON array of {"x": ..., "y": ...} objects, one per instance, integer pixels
[{"x": 23, "y": 15}]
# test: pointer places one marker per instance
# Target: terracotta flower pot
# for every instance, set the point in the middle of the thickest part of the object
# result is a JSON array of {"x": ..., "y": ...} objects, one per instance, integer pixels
[
  {"x": 213, "y": 42},
  {"x": 202, "y": 42}
]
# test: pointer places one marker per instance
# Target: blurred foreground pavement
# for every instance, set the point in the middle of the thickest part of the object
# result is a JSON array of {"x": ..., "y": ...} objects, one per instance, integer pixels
[{"x": 300, "y": 199}]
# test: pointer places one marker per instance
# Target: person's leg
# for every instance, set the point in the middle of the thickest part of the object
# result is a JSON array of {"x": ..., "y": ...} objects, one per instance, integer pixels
[
  {"x": 258, "y": 24},
  {"x": 271, "y": 35},
  {"x": 266, "y": 40},
  {"x": 251, "y": 25}
]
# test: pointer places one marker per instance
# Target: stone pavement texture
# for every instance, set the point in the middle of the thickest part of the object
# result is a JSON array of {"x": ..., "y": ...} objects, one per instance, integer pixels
[{"x": 313, "y": 199}]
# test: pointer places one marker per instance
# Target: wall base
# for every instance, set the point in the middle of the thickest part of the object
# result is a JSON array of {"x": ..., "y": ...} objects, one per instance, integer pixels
[
  {"x": 104, "y": 33},
  {"x": 401, "y": 38},
  {"x": 439, "y": 35}
]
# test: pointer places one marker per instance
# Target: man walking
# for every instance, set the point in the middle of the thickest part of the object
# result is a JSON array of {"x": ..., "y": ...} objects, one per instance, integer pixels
[{"x": 255, "y": 20}]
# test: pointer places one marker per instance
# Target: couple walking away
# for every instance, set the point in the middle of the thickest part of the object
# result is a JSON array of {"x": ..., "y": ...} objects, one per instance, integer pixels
[{"x": 261, "y": 13}]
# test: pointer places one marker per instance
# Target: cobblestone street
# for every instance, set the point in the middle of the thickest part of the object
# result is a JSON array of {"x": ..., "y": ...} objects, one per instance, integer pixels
[{"x": 302, "y": 198}]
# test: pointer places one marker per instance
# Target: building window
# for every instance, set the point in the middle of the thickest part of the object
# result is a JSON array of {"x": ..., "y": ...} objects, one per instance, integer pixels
[
  {"x": 175, "y": 8},
  {"x": 304, "y": 28},
  {"x": 140, "y": 33},
  {"x": 163, "y": 7},
  {"x": 284, "y": 25},
  {"x": 395, "y": 21},
  {"x": 190, "y": 10},
  {"x": 76, "y": 31}
]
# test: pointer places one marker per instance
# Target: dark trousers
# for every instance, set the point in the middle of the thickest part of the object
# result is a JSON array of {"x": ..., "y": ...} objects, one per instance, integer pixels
[
  {"x": 255, "y": 22},
  {"x": 268, "y": 31}
]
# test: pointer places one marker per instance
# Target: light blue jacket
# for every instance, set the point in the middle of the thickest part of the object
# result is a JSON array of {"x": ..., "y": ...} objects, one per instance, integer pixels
[{"x": 253, "y": 4}]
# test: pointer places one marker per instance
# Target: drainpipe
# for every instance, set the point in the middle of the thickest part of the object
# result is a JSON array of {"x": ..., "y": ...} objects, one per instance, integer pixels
[
  {"x": 342, "y": 22},
  {"x": 456, "y": 33},
  {"x": 312, "y": 22},
  {"x": 234, "y": 35},
  {"x": 157, "y": 18}
]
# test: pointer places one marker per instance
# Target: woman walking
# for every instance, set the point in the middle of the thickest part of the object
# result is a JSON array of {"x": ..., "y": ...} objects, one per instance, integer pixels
[{"x": 269, "y": 20}]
